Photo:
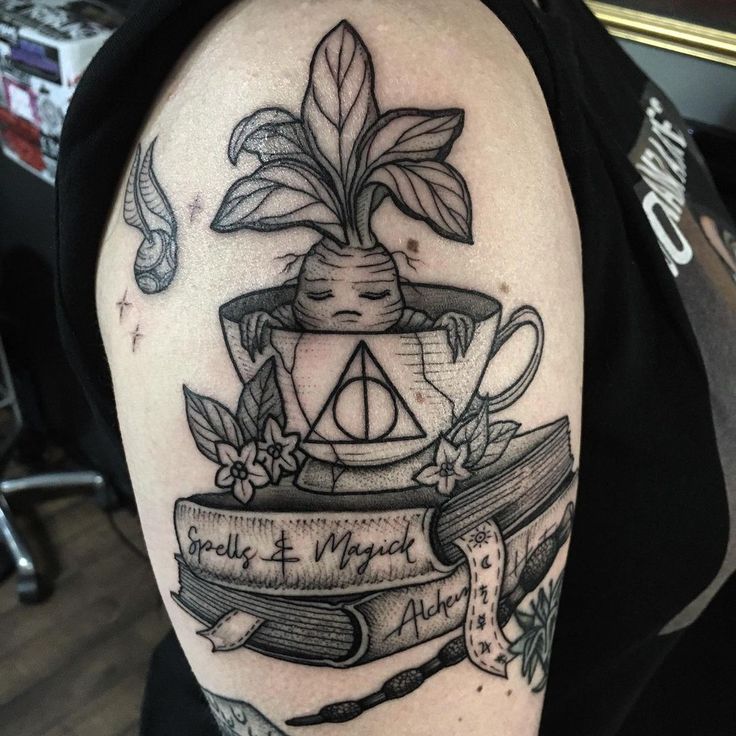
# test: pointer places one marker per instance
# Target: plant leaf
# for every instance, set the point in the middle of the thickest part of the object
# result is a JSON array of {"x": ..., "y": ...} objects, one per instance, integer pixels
[
  {"x": 543, "y": 603},
  {"x": 411, "y": 135},
  {"x": 556, "y": 592},
  {"x": 517, "y": 645},
  {"x": 525, "y": 620},
  {"x": 378, "y": 194},
  {"x": 431, "y": 191},
  {"x": 499, "y": 436},
  {"x": 536, "y": 645},
  {"x": 271, "y": 134},
  {"x": 528, "y": 660},
  {"x": 210, "y": 423},
  {"x": 474, "y": 433},
  {"x": 276, "y": 196},
  {"x": 339, "y": 104},
  {"x": 152, "y": 192},
  {"x": 259, "y": 400}
]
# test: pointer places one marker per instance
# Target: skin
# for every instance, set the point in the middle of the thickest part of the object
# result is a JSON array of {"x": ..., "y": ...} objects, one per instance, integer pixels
[{"x": 714, "y": 238}]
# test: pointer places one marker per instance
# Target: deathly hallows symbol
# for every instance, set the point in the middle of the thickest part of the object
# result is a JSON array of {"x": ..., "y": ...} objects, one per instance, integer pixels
[{"x": 364, "y": 406}]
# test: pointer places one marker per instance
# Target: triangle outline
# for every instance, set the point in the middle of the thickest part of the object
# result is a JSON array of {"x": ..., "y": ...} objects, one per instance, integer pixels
[{"x": 363, "y": 348}]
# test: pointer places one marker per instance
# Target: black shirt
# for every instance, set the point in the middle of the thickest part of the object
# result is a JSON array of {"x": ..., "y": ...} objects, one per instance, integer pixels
[{"x": 652, "y": 519}]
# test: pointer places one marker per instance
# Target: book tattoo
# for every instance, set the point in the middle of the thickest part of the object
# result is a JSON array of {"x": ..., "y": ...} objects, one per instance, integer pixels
[{"x": 368, "y": 499}]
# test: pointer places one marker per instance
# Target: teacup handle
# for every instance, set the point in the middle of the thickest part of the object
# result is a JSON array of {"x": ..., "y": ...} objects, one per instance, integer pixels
[{"x": 521, "y": 317}]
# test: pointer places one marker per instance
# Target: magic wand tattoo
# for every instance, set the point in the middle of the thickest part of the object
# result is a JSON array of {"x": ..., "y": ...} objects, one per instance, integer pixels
[{"x": 533, "y": 645}]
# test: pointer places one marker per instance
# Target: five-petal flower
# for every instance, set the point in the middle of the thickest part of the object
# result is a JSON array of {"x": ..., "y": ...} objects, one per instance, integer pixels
[
  {"x": 276, "y": 450},
  {"x": 239, "y": 470},
  {"x": 448, "y": 467}
]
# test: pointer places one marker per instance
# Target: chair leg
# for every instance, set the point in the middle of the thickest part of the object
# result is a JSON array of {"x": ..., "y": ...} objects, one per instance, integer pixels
[
  {"x": 28, "y": 585},
  {"x": 62, "y": 479},
  {"x": 105, "y": 496}
]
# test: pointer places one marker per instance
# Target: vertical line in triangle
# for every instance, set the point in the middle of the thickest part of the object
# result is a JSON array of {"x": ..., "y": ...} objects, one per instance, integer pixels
[{"x": 366, "y": 412}]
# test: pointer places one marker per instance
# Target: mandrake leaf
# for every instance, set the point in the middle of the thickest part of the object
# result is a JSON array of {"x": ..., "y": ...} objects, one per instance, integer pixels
[
  {"x": 411, "y": 135},
  {"x": 271, "y": 134},
  {"x": 279, "y": 195},
  {"x": 431, "y": 191},
  {"x": 339, "y": 104}
]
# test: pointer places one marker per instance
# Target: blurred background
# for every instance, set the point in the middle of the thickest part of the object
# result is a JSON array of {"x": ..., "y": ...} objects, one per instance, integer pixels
[{"x": 78, "y": 605}]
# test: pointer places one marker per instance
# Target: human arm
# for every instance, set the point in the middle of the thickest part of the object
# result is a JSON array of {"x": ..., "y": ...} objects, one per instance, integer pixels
[{"x": 511, "y": 200}]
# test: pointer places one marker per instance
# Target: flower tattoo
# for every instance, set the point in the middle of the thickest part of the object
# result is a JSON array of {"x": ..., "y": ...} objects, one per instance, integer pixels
[
  {"x": 276, "y": 451},
  {"x": 239, "y": 470},
  {"x": 448, "y": 467}
]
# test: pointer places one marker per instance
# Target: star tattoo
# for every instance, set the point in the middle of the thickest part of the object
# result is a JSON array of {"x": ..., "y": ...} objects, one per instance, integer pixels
[
  {"x": 122, "y": 304},
  {"x": 194, "y": 207},
  {"x": 135, "y": 336}
]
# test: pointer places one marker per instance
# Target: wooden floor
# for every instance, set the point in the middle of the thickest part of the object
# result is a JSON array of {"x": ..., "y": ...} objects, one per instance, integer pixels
[{"x": 75, "y": 664}]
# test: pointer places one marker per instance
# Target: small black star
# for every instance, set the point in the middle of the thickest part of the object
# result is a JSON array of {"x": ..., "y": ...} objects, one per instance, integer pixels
[
  {"x": 194, "y": 207},
  {"x": 123, "y": 304},
  {"x": 135, "y": 336}
]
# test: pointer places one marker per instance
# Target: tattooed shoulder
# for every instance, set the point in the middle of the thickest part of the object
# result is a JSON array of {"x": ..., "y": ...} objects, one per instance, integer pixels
[
  {"x": 342, "y": 413},
  {"x": 362, "y": 466}
]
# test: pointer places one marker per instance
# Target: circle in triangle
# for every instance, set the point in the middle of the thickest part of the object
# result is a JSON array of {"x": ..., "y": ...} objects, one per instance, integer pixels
[
  {"x": 365, "y": 409},
  {"x": 364, "y": 406}
]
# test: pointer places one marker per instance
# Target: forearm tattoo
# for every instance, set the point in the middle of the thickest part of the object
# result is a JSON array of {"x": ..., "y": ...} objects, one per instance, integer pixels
[{"x": 367, "y": 498}]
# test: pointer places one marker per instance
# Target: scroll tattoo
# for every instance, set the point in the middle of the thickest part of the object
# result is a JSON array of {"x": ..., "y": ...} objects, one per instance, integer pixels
[{"x": 368, "y": 498}]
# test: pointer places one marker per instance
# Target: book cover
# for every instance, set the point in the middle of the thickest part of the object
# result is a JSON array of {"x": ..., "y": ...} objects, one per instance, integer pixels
[{"x": 527, "y": 494}]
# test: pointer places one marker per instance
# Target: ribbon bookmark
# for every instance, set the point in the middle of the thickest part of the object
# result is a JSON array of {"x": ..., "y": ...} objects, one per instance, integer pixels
[
  {"x": 484, "y": 550},
  {"x": 231, "y": 631}
]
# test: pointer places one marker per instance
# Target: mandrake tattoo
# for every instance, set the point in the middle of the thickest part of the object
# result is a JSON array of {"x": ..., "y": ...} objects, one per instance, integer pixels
[{"x": 330, "y": 171}]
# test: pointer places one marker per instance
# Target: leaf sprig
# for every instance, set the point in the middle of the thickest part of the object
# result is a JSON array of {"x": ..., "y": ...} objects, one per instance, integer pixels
[
  {"x": 330, "y": 169},
  {"x": 486, "y": 440},
  {"x": 534, "y": 645},
  {"x": 212, "y": 423}
]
